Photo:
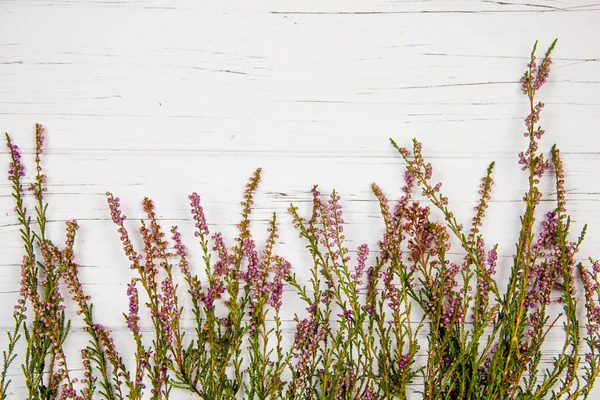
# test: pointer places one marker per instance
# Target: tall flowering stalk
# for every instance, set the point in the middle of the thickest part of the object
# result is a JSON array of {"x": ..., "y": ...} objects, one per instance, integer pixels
[
  {"x": 16, "y": 172},
  {"x": 265, "y": 369},
  {"x": 101, "y": 354},
  {"x": 45, "y": 366}
]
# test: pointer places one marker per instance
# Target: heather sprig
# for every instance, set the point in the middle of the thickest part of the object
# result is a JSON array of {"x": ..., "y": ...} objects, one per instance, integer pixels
[
  {"x": 264, "y": 280},
  {"x": 101, "y": 352},
  {"x": 16, "y": 172},
  {"x": 152, "y": 360}
]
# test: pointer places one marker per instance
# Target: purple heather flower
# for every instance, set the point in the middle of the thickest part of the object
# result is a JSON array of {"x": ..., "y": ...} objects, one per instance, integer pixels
[
  {"x": 169, "y": 311},
  {"x": 214, "y": 293},
  {"x": 309, "y": 335},
  {"x": 370, "y": 394},
  {"x": 198, "y": 215},
  {"x": 247, "y": 203},
  {"x": 16, "y": 169},
  {"x": 363, "y": 253},
  {"x": 133, "y": 317},
  {"x": 547, "y": 237},
  {"x": 542, "y": 74},
  {"x": 282, "y": 273},
  {"x": 193, "y": 282},
  {"x": 331, "y": 229},
  {"x": 591, "y": 290},
  {"x": 108, "y": 345},
  {"x": 492, "y": 259},
  {"x": 255, "y": 275},
  {"x": 38, "y": 188},
  {"x": 371, "y": 278},
  {"x": 596, "y": 267},
  {"x": 225, "y": 260},
  {"x": 181, "y": 251},
  {"x": 144, "y": 362},
  {"x": 391, "y": 292},
  {"x": 70, "y": 273},
  {"x": 347, "y": 314},
  {"x": 118, "y": 218},
  {"x": 115, "y": 212},
  {"x": 404, "y": 361}
]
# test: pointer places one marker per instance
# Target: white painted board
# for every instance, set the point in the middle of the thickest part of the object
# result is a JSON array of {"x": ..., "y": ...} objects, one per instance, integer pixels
[{"x": 162, "y": 98}]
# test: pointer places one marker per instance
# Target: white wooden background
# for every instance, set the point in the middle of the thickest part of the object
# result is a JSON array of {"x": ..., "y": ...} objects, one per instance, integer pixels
[{"x": 162, "y": 98}]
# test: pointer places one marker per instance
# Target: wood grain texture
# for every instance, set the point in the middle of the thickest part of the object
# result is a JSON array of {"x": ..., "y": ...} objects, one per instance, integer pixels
[{"x": 162, "y": 98}]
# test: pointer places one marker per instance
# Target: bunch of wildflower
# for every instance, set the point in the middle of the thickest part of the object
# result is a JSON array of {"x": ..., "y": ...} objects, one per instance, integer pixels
[
  {"x": 45, "y": 366},
  {"x": 240, "y": 283},
  {"x": 368, "y": 349},
  {"x": 519, "y": 319},
  {"x": 360, "y": 337}
]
